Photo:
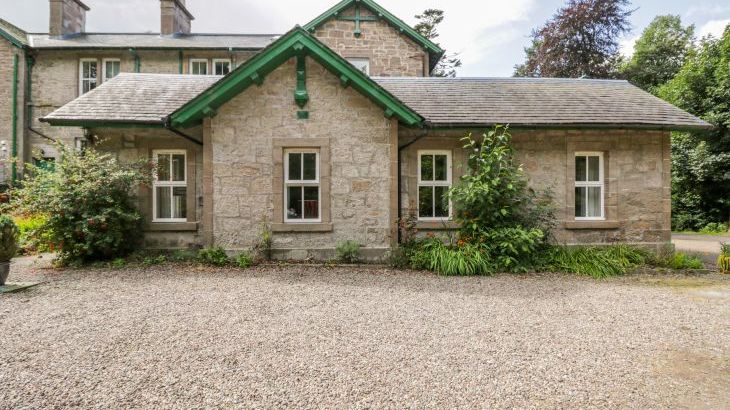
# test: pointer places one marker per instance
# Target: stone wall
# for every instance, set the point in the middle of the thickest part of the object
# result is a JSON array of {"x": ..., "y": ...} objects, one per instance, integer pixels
[
  {"x": 391, "y": 53},
  {"x": 637, "y": 177},
  {"x": 131, "y": 145},
  {"x": 7, "y": 53},
  {"x": 242, "y": 144}
]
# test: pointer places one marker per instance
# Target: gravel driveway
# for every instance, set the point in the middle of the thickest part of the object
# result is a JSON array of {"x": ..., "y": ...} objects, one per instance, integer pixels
[{"x": 191, "y": 337}]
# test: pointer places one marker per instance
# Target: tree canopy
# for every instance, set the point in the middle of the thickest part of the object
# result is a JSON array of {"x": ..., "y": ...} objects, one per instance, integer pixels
[
  {"x": 701, "y": 161},
  {"x": 581, "y": 39},
  {"x": 659, "y": 53},
  {"x": 427, "y": 26}
]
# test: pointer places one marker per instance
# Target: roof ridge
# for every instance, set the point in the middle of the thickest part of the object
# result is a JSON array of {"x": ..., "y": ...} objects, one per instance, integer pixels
[{"x": 504, "y": 79}]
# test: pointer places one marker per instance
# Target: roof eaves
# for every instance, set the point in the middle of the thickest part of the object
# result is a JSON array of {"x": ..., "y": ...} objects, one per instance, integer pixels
[
  {"x": 93, "y": 123},
  {"x": 13, "y": 34},
  {"x": 585, "y": 126}
]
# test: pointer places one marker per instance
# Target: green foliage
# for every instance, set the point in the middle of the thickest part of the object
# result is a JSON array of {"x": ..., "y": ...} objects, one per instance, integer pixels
[
  {"x": 90, "y": 204},
  {"x": 680, "y": 261},
  {"x": 118, "y": 263},
  {"x": 714, "y": 227},
  {"x": 154, "y": 260},
  {"x": 215, "y": 256},
  {"x": 723, "y": 261},
  {"x": 659, "y": 53},
  {"x": 348, "y": 251},
  {"x": 244, "y": 260},
  {"x": 182, "y": 255},
  {"x": 264, "y": 246},
  {"x": 493, "y": 193},
  {"x": 701, "y": 160},
  {"x": 469, "y": 259},
  {"x": 8, "y": 238},
  {"x": 581, "y": 39},
  {"x": 597, "y": 262},
  {"x": 32, "y": 236}
]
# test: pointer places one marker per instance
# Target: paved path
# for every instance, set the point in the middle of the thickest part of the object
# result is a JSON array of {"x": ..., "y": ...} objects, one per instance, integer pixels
[{"x": 707, "y": 246}]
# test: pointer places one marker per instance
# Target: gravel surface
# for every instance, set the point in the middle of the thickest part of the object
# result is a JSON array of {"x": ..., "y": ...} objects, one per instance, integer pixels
[{"x": 189, "y": 337}]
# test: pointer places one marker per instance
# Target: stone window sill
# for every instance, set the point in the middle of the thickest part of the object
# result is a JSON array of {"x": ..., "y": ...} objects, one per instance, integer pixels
[
  {"x": 436, "y": 225},
  {"x": 172, "y": 227},
  {"x": 317, "y": 227},
  {"x": 575, "y": 225}
]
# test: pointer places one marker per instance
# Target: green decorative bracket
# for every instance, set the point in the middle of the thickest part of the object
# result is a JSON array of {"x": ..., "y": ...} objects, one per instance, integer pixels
[
  {"x": 345, "y": 81},
  {"x": 209, "y": 112},
  {"x": 301, "y": 96},
  {"x": 257, "y": 79},
  {"x": 358, "y": 18},
  {"x": 303, "y": 115}
]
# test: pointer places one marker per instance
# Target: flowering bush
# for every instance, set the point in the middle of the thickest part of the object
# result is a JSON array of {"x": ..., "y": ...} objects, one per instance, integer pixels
[{"x": 89, "y": 201}]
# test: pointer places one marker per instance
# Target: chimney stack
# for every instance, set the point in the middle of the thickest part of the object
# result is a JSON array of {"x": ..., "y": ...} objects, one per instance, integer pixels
[
  {"x": 174, "y": 17},
  {"x": 67, "y": 17}
]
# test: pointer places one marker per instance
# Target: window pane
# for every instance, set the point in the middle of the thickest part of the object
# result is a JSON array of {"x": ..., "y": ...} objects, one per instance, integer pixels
[
  {"x": 441, "y": 167},
  {"x": 179, "y": 208},
  {"x": 222, "y": 67},
  {"x": 310, "y": 167},
  {"x": 593, "y": 207},
  {"x": 580, "y": 168},
  {"x": 426, "y": 167},
  {"x": 311, "y": 202},
  {"x": 163, "y": 167},
  {"x": 594, "y": 173},
  {"x": 425, "y": 202},
  {"x": 178, "y": 167},
  {"x": 88, "y": 85},
  {"x": 295, "y": 166},
  {"x": 294, "y": 205},
  {"x": 441, "y": 204},
  {"x": 112, "y": 69},
  {"x": 580, "y": 202},
  {"x": 163, "y": 202}
]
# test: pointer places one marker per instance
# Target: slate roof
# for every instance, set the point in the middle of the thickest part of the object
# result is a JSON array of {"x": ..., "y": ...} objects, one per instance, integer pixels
[
  {"x": 152, "y": 40},
  {"x": 15, "y": 34},
  {"x": 536, "y": 102},
  {"x": 543, "y": 102},
  {"x": 134, "y": 98}
]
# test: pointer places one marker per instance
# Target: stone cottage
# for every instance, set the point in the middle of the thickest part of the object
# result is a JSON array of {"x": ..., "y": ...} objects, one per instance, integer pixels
[{"x": 333, "y": 130}]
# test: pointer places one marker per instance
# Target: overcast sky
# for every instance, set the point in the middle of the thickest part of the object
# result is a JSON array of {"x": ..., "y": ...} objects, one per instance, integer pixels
[{"x": 489, "y": 34}]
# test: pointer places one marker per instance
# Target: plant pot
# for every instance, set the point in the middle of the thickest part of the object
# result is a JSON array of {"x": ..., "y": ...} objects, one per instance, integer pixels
[{"x": 4, "y": 272}]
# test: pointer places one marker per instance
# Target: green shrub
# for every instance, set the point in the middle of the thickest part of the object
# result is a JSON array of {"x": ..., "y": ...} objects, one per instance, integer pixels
[
  {"x": 8, "y": 238},
  {"x": 680, "y": 260},
  {"x": 348, "y": 251},
  {"x": 32, "y": 236},
  {"x": 154, "y": 260},
  {"x": 118, "y": 263},
  {"x": 399, "y": 258},
  {"x": 182, "y": 255},
  {"x": 244, "y": 260},
  {"x": 714, "y": 227},
  {"x": 597, "y": 262},
  {"x": 89, "y": 200},
  {"x": 215, "y": 256}
]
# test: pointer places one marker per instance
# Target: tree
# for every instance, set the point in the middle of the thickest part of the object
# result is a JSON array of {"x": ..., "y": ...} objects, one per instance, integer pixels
[
  {"x": 659, "y": 53},
  {"x": 580, "y": 40},
  {"x": 427, "y": 25},
  {"x": 701, "y": 161}
]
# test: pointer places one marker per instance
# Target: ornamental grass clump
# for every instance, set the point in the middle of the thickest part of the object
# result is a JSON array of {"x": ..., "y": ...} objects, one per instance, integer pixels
[
  {"x": 90, "y": 204},
  {"x": 597, "y": 262},
  {"x": 723, "y": 261}
]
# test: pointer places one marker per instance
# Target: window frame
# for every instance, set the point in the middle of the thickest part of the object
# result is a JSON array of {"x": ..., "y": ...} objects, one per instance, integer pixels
[
  {"x": 81, "y": 74},
  {"x": 601, "y": 183},
  {"x": 352, "y": 61},
  {"x": 103, "y": 67},
  {"x": 222, "y": 60},
  {"x": 421, "y": 183},
  {"x": 171, "y": 184},
  {"x": 199, "y": 60},
  {"x": 302, "y": 183}
]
